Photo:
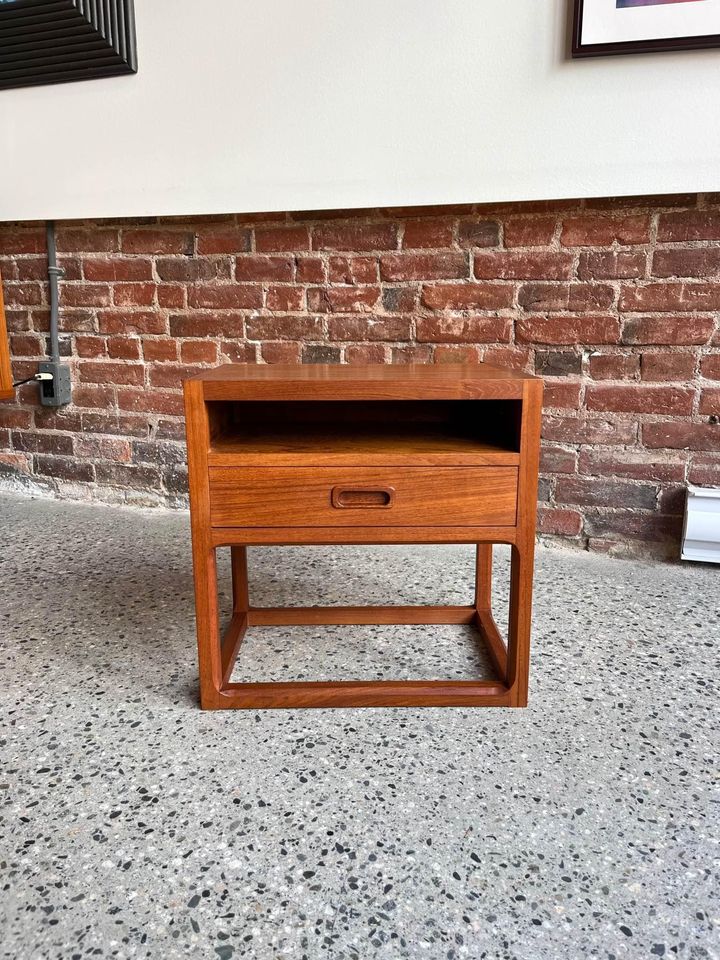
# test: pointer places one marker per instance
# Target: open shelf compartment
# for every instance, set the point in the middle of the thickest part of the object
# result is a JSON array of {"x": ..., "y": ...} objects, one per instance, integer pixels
[{"x": 371, "y": 433}]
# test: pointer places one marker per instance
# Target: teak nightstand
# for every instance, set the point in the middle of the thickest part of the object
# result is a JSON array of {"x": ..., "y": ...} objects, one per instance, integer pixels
[{"x": 325, "y": 454}]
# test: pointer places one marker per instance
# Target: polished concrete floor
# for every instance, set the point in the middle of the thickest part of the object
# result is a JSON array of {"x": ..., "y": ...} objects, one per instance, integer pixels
[{"x": 134, "y": 825}]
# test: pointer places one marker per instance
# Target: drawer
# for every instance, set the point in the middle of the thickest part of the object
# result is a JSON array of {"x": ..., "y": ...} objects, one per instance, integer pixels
[{"x": 363, "y": 497}]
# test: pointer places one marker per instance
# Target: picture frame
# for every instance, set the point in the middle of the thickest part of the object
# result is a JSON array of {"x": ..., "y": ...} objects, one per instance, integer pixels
[
  {"x": 59, "y": 41},
  {"x": 598, "y": 43}
]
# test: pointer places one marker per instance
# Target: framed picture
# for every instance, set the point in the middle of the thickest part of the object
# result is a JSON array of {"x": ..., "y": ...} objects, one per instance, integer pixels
[{"x": 604, "y": 27}]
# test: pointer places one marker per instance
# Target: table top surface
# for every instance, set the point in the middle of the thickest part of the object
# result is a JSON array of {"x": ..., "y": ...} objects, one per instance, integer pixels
[{"x": 378, "y": 373}]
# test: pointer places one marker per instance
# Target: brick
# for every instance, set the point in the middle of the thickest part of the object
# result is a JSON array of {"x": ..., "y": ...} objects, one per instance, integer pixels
[
  {"x": 309, "y": 270},
  {"x": 427, "y": 234},
  {"x": 424, "y": 266},
  {"x": 562, "y": 394},
  {"x": 568, "y": 330},
  {"x": 611, "y": 265},
  {"x": 636, "y": 398},
  {"x": 214, "y": 239},
  {"x": 58, "y": 444},
  {"x": 467, "y": 296},
  {"x": 517, "y": 358},
  {"x": 588, "y": 430},
  {"x": 555, "y": 459},
  {"x": 705, "y": 471},
  {"x": 454, "y": 354},
  {"x": 225, "y": 296},
  {"x": 26, "y": 345},
  {"x": 412, "y": 353},
  {"x": 170, "y": 375},
  {"x": 281, "y": 352},
  {"x": 133, "y": 294},
  {"x": 157, "y": 241},
  {"x": 563, "y": 523},
  {"x": 400, "y": 299},
  {"x": 285, "y": 328},
  {"x": 353, "y": 270},
  {"x": 253, "y": 267},
  {"x": 710, "y": 401},
  {"x": 14, "y": 463},
  {"x": 632, "y": 465},
  {"x": 18, "y": 240},
  {"x": 595, "y": 231},
  {"x": 131, "y": 322},
  {"x": 238, "y": 352},
  {"x": 369, "y": 328},
  {"x": 84, "y": 295},
  {"x": 540, "y": 265},
  {"x": 128, "y": 475},
  {"x": 14, "y": 417},
  {"x": 278, "y": 239},
  {"x": 158, "y": 453},
  {"x": 97, "y": 447},
  {"x": 207, "y": 325},
  {"x": 100, "y": 371},
  {"x": 689, "y": 225},
  {"x": 320, "y": 353},
  {"x": 627, "y": 524},
  {"x": 18, "y": 321},
  {"x": 463, "y": 329},
  {"x": 95, "y": 396},
  {"x": 674, "y": 331},
  {"x": 192, "y": 269},
  {"x": 601, "y": 492},
  {"x": 667, "y": 366},
  {"x": 64, "y": 468},
  {"x": 171, "y": 296},
  {"x": 155, "y": 350},
  {"x": 670, "y": 297},
  {"x": 123, "y": 348},
  {"x": 285, "y": 299},
  {"x": 343, "y": 299},
  {"x": 87, "y": 239},
  {"x": 687, "y": 262},
  {"x": 116, "y": 268},
  {"x": 529, "y": 231},
  {"x": 710, "y": 367},
  {"x": 151, "y": 401},
  {"x": 22, "y": 294},
  {"x": 479, "y": 233},
  {"x": 682, "y": 436},
  {"x": 576, "y": 297},
  {"x": 355, "y": 236},
  {"x": 557, "y": 363},
  {"x": 198, "y": 351},
  {"x": 365, "y": 353}
]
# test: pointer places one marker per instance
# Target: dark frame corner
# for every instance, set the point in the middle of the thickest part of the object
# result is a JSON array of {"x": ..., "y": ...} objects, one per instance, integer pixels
[{"x": 581, "y": 51}]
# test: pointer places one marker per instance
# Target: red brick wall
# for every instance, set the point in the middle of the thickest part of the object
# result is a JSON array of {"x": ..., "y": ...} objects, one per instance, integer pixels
[{"x": 615, "y": 303}]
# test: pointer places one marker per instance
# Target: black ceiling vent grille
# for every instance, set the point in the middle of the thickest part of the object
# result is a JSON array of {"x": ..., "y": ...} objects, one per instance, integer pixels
[{"x": 54, "y": 41}]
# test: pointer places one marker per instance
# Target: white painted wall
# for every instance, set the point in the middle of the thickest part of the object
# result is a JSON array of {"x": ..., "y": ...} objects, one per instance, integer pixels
[{"x": 248, "y": 105}]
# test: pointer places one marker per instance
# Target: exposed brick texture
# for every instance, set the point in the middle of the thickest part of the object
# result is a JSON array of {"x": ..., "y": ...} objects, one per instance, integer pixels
[{"x": 614, "y": 302}]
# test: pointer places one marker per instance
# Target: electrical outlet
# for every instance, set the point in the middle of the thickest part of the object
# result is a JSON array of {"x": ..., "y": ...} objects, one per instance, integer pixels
[{"x": 55, "y": 392}]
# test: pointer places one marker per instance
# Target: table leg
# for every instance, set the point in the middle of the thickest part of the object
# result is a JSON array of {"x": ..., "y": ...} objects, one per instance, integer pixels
[{"x": 521, "y": 583}]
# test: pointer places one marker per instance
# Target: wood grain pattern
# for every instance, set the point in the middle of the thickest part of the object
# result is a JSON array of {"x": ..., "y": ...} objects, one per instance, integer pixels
[
  {"x": 243, "y": 492},
  {"x": 6, "y": 380},
  {"x": 370, "y": 693},
  {"x": 302, "y": 496},
  {"x": 338, "y": 616},
  {"x": 372, "y": 382}
]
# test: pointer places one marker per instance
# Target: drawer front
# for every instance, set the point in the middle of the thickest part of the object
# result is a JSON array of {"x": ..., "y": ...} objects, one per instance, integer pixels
[{"x": 358, "y": 497}]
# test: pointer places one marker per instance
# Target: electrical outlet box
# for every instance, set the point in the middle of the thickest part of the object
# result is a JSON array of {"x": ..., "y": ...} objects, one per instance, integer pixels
[{"x": 55, "y": 392}]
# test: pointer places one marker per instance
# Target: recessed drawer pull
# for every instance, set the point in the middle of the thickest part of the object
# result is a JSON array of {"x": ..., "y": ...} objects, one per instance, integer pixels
[{"x": 362, "y": 497}]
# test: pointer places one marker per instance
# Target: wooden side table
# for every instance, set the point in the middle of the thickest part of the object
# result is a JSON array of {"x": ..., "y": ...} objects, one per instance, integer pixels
[{"x": 326, "y": 454}]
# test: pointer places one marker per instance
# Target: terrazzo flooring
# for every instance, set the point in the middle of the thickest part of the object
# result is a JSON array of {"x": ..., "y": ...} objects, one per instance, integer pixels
[{"x": 134, "y": 825}]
